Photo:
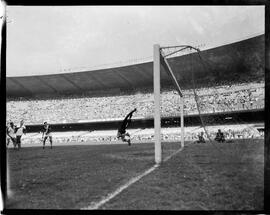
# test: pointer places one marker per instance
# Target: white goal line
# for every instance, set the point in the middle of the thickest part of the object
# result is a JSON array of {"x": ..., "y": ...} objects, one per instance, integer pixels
[{"x": 97, "y": 205}]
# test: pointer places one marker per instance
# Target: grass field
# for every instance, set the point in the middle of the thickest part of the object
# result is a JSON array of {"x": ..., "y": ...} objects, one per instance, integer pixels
[{"x": 226, "y": 176}]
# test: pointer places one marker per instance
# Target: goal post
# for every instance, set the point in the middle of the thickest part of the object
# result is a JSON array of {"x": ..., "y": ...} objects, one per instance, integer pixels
[
  {"x": 159, "y": 61},
  {"x": 157, "y": 119}
]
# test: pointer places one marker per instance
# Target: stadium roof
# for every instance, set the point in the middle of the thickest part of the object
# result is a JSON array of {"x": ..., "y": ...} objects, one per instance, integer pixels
[{"x": 228, "y": 59}]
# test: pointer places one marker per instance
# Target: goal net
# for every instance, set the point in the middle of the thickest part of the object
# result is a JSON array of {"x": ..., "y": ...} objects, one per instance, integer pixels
[{"x": 193, "y": 85}]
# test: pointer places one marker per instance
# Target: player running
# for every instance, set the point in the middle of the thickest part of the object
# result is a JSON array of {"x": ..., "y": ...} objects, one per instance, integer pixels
[
  {"x": 47, "y": 131},
  {"x": 122, "y": 129}
]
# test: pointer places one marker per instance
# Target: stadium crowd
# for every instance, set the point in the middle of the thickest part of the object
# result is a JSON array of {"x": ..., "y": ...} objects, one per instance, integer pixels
[
  {"x": 68, "y": 109},
  {"x": 230, "y": 132}
]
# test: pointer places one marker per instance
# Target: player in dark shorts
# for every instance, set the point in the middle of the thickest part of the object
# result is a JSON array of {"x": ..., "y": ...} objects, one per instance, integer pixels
[
  {"x": 122, "y": 129},
  {"x": 11, "y": 133},
  {"x": 20, "y": 130},
  {"x": 47, "y": 132},
  {"x": 8, "y": 139}
]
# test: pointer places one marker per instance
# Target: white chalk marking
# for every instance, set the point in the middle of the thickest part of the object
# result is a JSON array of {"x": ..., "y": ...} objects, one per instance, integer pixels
[{"x": 96, "y": 205}]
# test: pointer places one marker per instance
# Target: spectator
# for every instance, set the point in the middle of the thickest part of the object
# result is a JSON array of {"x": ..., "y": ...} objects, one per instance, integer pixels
[
  {"x": 73, "y": 108},
  {"x": 220, "y": 136},
  {"x": 201, "y": 138}
]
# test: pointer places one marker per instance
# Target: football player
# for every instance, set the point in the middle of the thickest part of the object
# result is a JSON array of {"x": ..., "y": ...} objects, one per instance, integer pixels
[
  {"x": 122, "y": 133},
  {"x": 46, "y": 133}
]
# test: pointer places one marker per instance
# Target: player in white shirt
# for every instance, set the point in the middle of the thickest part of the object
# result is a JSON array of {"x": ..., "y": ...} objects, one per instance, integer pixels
[
  {"x": 46, "y": 133},
  {"x": 8, "y": 139},
  {"x": 11, "y": 133},
  {"x": 20, "y": 131}
]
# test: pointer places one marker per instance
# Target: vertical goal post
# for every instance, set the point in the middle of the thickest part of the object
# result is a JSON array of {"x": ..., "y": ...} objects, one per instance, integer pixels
[{"x": 158, "y": 61}]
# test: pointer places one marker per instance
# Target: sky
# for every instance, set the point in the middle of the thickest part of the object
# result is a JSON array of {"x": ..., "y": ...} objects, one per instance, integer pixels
[{"x": 59, "y": 39}]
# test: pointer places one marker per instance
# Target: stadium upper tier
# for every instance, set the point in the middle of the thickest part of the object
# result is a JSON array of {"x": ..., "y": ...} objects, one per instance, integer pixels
[
  {"x": 237, "y": 62},
  {"x": 74, "y": 108}
]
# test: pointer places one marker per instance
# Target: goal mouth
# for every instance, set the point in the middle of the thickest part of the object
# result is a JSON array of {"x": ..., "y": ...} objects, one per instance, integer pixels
[{"x": 196, "y": 88}]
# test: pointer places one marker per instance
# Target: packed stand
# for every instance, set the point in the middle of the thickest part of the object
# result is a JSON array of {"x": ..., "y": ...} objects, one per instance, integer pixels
[
  {"x": 231, "y": 132},
  {"x": 74, "y": 108}
]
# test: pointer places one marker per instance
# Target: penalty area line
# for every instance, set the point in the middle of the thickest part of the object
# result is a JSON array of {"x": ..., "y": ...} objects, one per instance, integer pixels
[{"x": 97, "y": 205}]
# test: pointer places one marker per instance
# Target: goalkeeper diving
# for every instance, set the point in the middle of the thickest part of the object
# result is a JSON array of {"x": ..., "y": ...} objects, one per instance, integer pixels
[{"x": 122, "y": 133}]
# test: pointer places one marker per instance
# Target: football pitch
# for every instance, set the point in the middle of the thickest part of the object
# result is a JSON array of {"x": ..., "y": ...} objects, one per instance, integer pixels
[{"x": 210, "y": 176}]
